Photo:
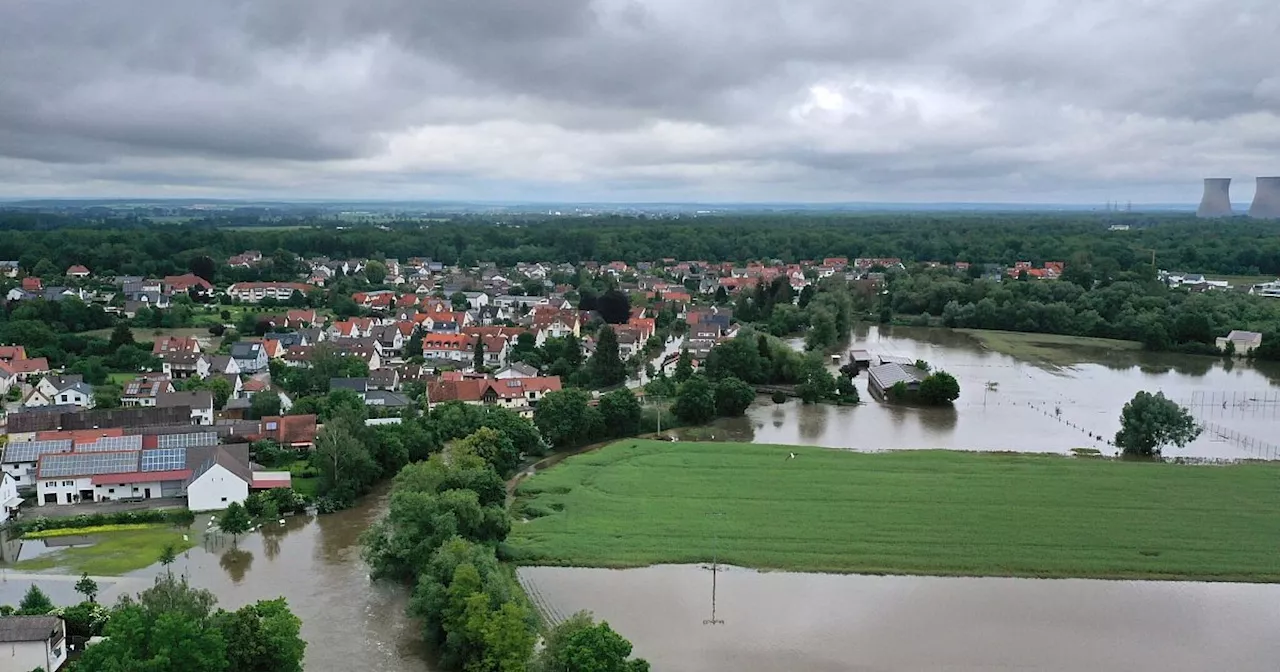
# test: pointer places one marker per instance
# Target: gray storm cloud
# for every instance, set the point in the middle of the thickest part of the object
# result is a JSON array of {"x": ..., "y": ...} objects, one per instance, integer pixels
[{"x": 1077, "y": 100}]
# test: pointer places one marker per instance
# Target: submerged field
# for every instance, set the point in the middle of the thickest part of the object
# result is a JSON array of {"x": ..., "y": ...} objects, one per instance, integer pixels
[
  {"x": 1055, "y": 349},
  {"x": 640, "y": 502},
  {"x": 114, "y": 553}
]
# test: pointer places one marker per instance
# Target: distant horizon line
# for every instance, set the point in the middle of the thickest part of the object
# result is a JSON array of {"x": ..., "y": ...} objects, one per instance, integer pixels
[{"x": 1114, "y": 206}]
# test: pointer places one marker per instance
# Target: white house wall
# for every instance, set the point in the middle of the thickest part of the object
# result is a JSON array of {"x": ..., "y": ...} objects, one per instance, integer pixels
[{"x": 215, "y": 489}]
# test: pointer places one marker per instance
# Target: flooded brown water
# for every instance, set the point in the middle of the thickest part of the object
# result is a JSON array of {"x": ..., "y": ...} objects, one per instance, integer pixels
[
  {"x": 1030, "y": 407},
  {"x": 781, "y": 621},
  {"x": 348, "y": 621}
]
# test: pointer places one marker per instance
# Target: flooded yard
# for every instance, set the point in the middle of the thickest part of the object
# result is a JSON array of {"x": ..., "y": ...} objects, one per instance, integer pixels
[
  {"x": 780, "y": 621},
  {"x": 1010, "y": 404}
]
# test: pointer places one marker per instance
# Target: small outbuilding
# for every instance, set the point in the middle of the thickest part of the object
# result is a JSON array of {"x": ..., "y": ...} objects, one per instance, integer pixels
[{"x": 1242, "y": 342}]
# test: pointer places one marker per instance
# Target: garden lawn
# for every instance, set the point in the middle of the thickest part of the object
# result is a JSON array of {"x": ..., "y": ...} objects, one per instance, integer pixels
[
  {"x": 639, "y": 502},
  {"x": 1055, "y": 349},
  {"x": 115, "y": 553}
]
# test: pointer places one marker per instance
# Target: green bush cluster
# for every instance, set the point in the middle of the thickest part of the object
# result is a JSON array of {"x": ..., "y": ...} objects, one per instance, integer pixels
[{"x": 177, "y": 517}]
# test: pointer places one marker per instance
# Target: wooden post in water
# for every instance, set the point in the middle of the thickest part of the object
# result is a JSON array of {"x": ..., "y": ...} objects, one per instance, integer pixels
[{"x": 715, "y": 569}]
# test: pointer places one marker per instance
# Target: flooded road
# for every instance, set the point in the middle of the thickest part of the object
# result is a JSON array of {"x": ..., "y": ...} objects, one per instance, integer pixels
[
  {"x": 1009, "y": 404},
  {"x": 349, "y": 622},
  {"x": 820, "y": 622}
]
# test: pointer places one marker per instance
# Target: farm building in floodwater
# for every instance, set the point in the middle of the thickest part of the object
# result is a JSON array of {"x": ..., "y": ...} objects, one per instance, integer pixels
[{"x": 885, "y": 376}]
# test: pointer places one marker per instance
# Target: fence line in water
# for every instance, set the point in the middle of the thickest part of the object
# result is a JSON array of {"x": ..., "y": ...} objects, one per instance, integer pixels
[
  {"x": 549, "y": 613},
  {"x": 1269, "y": 451}
]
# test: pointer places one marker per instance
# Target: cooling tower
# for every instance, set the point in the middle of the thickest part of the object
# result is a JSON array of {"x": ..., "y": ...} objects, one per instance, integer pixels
[
  {"x": 1266, "y": 201},
  {"x": 1216, "y": 201}
]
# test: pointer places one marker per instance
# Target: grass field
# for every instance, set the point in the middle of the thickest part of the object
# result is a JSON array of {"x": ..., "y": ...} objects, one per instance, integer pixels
[
  {"x": 120, "y": 377},
  {"x": 114, "y": 553},
  {"x": 638, "y": 502},
  {"x": 1053, "y": 349}
]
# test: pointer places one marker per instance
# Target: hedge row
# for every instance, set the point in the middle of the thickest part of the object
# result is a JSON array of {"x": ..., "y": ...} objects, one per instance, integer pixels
[{"x": 178, "y": 517}]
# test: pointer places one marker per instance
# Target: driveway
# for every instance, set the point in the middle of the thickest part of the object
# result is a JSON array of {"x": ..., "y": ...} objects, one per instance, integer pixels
[{"x": 68, "y": 510}]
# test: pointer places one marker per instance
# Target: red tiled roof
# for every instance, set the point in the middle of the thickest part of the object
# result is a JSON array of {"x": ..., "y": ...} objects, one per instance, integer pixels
[
  {"x": 31, "y": 283},
  {"x": 175, "y": 344},
  {"x": 268, "y": 484},
  {"x": 181, "y": 283},
  {"x": 142, "y": 477},
  {"x": 13, "y": 352},
  {"x": 290, "y": 429},
  {"x": 506, "y": 333},
  {"x": 29, "y": 365}
]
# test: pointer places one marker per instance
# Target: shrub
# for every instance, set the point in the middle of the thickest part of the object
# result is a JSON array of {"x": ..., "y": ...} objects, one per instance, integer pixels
[
  {"x": 95, "y": 529},
  {"x": 779, "y": 398},
  {"x": 176, "y": 517}
]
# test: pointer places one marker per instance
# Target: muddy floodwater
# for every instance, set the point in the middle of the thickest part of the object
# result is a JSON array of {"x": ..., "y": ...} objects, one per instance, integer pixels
[
  {"x": 349, "y": 622},
  {"x": 784, "y": 621},
  {"x": 1012, "y": 404},
  {"x": 780, "y": 621}
]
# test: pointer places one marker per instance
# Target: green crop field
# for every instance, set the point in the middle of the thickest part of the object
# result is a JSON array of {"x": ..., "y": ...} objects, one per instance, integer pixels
[
  {"x": 1054, "y": 349},
  {"x": 638, "y": 502}
]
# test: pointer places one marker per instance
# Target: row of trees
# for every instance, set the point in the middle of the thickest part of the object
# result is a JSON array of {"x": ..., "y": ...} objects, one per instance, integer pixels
[
  {"x": 1132, "y": 306},
  {"x": 567, "y": 418},
  {"x": 172, "y": 626},
  {"x": 446, "y": 517},
  {"x": 138, "y": 248},
  {"x": 823, "y": 311}
]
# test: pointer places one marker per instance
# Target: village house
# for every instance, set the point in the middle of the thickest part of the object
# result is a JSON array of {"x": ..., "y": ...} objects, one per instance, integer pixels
[
  {"x": 60, "y": 391},
  {"x": 247, "y": 259},
  {"x": 175, "y": 344},
  {"x": 518, "y": 394},
  {"x": 188, "y": 283},
  {"x": 9, "y": 499},
  {"x": 255, "y": 292},
  {"x": 143, "y": 390},
  {"x": 77, "y": 271},
  {"x": 181, "y": 365},
  {"x": 30, "y": 643},
  {"x": 200, "y": 402},
  {"x": 250, "y": 357}
]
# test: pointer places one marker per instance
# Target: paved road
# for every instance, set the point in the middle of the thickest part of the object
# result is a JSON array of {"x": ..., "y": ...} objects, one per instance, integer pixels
[{"x": 68, "y": 510}]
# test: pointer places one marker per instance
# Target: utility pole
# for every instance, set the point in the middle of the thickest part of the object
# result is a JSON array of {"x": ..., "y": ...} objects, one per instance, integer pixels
[{"x": 715, "y": 569}]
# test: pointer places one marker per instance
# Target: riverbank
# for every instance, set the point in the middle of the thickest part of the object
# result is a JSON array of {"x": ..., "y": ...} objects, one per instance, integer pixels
[
  {"x": 638, "y": 503},
  {"x": 1054, "y": 349}
]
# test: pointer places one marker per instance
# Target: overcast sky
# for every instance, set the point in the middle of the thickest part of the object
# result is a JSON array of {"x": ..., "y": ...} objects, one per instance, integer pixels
[{"x": 1077, "y": 101}]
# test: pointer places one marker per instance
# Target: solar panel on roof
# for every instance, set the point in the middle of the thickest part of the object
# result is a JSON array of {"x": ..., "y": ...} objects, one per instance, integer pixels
[
  {"x": 164, "y": 459},
  {"x": 191, "y": 440},
  {"x": 30, "y": 451},
  {"x": 87, "y": 464},
  {"x": 112, "y": 443}
]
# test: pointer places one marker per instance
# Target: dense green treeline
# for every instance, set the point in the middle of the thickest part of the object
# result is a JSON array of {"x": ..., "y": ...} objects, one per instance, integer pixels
[
  {"x": 1178, "y": 241},
  {"x": 1130, "y": 308}
]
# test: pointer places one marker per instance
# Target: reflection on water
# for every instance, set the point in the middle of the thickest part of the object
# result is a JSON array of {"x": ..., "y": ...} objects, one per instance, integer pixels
[
  {"x": 784, "y": 621},
  {"x": 1009, "y": 404},
  {"x": 235, "y": 561},
  {"x": 349, "y": 622}
]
